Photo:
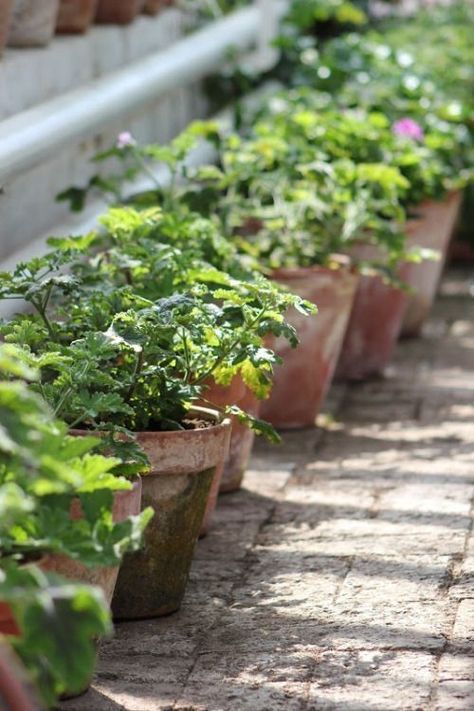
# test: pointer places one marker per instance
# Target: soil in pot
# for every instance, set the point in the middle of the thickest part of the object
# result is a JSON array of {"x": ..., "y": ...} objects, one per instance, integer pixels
[
  {"x": 152, "y": 582},
  {"x": 75, "y": 16},
  {"x": 126, "y": 503},
  {"x": 302, "y": 382},
  {"x": 5, "y": 16},
  {"x": 432, "y": 228},
  {"x": 374, "y": 325},
  {"x": 33, "y": 23},
  {"x": 118, "y": 12}
]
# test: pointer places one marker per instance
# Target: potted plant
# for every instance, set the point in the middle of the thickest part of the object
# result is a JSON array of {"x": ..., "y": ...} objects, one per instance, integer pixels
[
  {"x": 417, "y": 168},
  {"x": 123, "y": 359},
  {"x": 83, "y": 523},
  {"x": 43, "y": 474},
  {"x": 292, "y": 209},
  {"x": 118, "y": 12},
  {"x": 32, "y": 23},
  {"x": 75, "y": 16},
  {"x": 180, "y": 226},
  {"x": 423, "y": 108}
]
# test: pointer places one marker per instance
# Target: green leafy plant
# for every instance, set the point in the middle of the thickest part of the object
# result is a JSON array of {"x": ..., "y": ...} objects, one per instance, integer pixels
[
  {"x": 42, "y": 472},
  {"x": 147, "y": 326}
]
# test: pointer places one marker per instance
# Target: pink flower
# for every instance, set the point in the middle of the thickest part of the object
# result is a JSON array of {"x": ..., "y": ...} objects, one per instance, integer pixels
[
  {"x": 408, "y": 128},
  {"x": 125, "y": 140}
]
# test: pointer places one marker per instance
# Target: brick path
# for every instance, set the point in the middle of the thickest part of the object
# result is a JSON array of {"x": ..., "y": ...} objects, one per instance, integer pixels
[{"x": 342, "y": 577}]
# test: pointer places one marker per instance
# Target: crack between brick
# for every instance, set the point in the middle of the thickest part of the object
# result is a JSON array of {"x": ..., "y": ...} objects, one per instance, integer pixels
[{"x": 451, "y": 576}]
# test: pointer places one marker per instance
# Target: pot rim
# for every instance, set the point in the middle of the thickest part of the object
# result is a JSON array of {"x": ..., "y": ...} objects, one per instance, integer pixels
[
  {"x": 340, "y": 263},
  {"x": 220, "y": 421}
]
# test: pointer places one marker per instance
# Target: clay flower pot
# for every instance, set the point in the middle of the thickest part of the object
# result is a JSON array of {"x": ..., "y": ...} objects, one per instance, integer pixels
[
  {"x": 126, "y": 503},
  {"x": 75, "y": 16},
  {"x": 432, "y": 229},
  {"x": 229, "y": 476},
  {"x": 33, "y": 23},
  {"x": 152, "y": 581},
  {"x": 374, "y": 325},
  {"x": 118, "y": 12},
  {"x": 5, "y": 15},
  {"x": 8, "y": 624},
  {"x": 302, "y": 382}
]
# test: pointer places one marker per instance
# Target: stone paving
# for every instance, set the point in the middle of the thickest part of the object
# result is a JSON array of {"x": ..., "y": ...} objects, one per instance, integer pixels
[{"x": 342, "y": 575}]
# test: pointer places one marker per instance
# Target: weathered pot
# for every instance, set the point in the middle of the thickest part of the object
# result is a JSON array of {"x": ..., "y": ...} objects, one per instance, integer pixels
[
  {"x": 303, "y": 380},
  {"x": 229, "y": 477},
  {"x": 152, "y": 582},
  {"x": 374, "y": 325},
  {"x": 126, "y": 503},
  {"x": 118, "y": 12},
  {"x": 5, "y": 16},
  {"x": 432, "y": 228},
  {"x": 33, "y": 23},
  {"x": 75, "y": 16}
]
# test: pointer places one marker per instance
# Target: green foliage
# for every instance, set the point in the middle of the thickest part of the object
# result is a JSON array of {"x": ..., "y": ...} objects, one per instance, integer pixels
[
  {"x": 153, "y": 314},
  {"x": 43, "y": 472},
  {"x": 59, "y": 623}
]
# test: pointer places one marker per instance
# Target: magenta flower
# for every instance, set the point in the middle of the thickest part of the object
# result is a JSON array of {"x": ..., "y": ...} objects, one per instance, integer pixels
[
  {"x": 408, "y": 128},
  {"x": 125, "y": 140}
]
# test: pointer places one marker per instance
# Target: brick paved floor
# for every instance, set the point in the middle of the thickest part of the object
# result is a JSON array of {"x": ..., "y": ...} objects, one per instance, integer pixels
[{"x": 342, "y": 576}]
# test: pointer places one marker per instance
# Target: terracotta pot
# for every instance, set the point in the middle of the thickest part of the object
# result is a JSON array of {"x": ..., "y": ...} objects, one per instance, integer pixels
[
  {"x": 153, "y": 7},
  {"x": 16, "y": 689},
  {"x": 152, "y": 581},
  {"x": 302, "y": 382},
  {"x": 126, "y": 503},
  {"x": 75, "y": 16},
  {"x": 118, "y": 12},
  {"x": 5, "y": 16},
  {"x": 432, "y": 229},
  {"x": 374, "y": 325},
  {"x": 33, "y": 23},
  {"x": 230, "y": 475},
  {"x": 8, "y": 624}
]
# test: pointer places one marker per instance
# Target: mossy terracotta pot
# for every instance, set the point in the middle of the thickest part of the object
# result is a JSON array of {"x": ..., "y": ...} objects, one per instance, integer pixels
[
  {"x": 153, "y": 7},
  {"x": 303, "y": 380},
  {"x": 431, "y": 228},
  {"x": 5, "y": 16},
  {"x": 126, "y": 503},
  {"x": 118, "y": 12},
  {"x": 152, "y": 582},
  {"x": 374, "y": 325},
  {"x": 33, "y": 22},
  {"x": 75, "y": 16}
]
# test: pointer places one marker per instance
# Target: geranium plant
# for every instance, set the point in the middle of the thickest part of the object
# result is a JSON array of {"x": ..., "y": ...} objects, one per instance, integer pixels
[
  {"x": 42, "y": 471},
  {"x": 145, "y": 328}
]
